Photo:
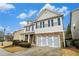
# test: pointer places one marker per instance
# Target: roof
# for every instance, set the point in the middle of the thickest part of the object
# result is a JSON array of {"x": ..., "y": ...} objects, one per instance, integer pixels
[
  {"x": 75, "y": 10},
  {"x": 18, "y": 31},
  {"x": 42, "y": 13},
  {"x": 45, "y": 10}
]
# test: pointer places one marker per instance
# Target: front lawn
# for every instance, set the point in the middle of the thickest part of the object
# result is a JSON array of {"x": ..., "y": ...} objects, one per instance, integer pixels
[
  {"x": 13, "y": 49},
  {"x": 70, "y": 52}
]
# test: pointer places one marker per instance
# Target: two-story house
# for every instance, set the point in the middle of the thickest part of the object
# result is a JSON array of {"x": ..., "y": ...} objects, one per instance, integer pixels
[{"x": 46, "y": 30}]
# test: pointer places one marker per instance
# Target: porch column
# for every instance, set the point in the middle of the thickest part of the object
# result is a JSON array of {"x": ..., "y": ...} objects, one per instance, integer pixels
[{"x": 28, "y": 38}]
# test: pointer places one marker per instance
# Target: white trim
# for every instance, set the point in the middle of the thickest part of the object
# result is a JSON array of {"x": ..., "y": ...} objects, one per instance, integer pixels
[
  {"x": 47, "y": 44},
  {"x": 64, "y": 38},
  {"x": 28, "y": 38},
  {"x": 59, "y": 40}
]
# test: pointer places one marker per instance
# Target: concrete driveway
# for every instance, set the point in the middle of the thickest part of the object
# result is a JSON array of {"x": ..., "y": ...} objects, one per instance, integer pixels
[
  {"x": 4, "y": 53},
  {"x": 40, "y": 51},
  {"x": 34, "y": 51}
]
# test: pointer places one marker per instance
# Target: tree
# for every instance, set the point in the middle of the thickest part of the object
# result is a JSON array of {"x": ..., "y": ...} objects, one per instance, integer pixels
[
  {"x": 1, "y": 37},
  {"x": 68, "y": 32},
  {"x": 9, "y": 37}
]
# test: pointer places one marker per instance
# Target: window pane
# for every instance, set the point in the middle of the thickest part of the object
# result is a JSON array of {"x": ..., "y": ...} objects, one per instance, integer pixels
[
  {"x": 32, "y": 28},
  {"x": 40, "y": 24},
  {"x": 55, "y": 22},
  {"x": 27, "y": 28},
  {"x": 43, "y": 24},
  {"x": 36, "y": 25}
]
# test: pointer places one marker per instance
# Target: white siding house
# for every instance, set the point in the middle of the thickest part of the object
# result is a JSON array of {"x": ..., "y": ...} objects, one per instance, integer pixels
[{"x": 46, "y": 30}]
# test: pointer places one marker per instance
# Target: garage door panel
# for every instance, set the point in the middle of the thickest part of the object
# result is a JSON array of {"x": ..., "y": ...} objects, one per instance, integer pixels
[
  {"x": 50, "y": 41},
  {"x": 38, "y": 40},
  {"x": 43, "y": 41}
]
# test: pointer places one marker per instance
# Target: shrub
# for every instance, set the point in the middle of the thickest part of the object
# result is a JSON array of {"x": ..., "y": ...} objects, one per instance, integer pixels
[
  {"x": 75, "y": 43},
  {"x": 24, "y": 44},
  {"x": 16, "y": 42},
  {"x": 24, "y": 41},
  {"x": 1, "y": 40}
]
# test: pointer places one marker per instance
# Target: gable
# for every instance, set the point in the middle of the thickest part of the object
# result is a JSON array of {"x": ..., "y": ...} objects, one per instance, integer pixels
[{"x": 46, "y": 14}]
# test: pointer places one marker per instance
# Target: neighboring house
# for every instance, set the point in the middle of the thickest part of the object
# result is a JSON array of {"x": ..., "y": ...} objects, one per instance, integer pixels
[
  {"x": 46, "y": 30},
  {"x": 17, "y": 35},
  {"x": 75, "y": 23}
]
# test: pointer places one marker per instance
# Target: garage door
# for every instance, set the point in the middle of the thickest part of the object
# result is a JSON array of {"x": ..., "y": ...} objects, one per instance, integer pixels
[{"x": 51, "y": 41}]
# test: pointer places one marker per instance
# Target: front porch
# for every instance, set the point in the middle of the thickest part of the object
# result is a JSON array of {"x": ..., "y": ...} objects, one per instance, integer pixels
[{"x": 30, "y": 38}]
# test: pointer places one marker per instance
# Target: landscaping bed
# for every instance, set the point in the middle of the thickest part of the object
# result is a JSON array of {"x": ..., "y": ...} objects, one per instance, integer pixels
[
  {"x": 18, "y": 46},
  {"x": 13, "y": 49},
  {"x": 24, "y": 44}
]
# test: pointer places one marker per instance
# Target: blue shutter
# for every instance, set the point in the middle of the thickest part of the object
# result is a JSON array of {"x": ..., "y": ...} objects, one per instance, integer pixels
[
  {"x": 52, "y": 22},
  {"x": 58, "y": 21},
  {"x": 48, "y": 23}
]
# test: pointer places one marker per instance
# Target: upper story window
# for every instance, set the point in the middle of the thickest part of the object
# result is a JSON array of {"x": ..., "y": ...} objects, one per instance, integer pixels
[
  {"x": 36, "y": 25},
  {"x": 43, "y": 24},
  {"x": 55, "y": 22},
  {"x": 28, "y": 28},
  {"x": 48, "y": 23},
  {"x": 32, "y": 27}
]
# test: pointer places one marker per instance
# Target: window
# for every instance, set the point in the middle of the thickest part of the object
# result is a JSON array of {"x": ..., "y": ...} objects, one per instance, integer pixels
[
  {"x": 40, "y": 24},
  {"x": 27, "y": 28},
  {"x": 48, "y": 23},
  {"x": 55, "y": 22},
  {"x": 36, "y": 25},
  {"x": 32, "y": 27},
  {"x": 43, "y": 24},
  {"x": 58, "y": 21},
  {"x": 52, "y": 22}
]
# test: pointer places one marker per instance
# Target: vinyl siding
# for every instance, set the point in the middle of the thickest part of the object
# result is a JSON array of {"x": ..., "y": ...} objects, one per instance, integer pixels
[
  {"x": 18, "y": 35},
  {"x": 75, "y": 20}
]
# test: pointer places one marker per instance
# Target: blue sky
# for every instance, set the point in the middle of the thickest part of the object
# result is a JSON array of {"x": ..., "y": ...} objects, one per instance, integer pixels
[{"x": 13, "y": 16}]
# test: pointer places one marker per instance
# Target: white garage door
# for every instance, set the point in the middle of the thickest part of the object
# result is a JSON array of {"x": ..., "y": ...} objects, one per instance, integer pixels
[{"x": 51, "y": 41}]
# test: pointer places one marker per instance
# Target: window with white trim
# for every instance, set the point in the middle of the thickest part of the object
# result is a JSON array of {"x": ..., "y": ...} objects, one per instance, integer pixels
[
  {"x": 55, "y": 22},
  {"x": 28, "y": 28}
]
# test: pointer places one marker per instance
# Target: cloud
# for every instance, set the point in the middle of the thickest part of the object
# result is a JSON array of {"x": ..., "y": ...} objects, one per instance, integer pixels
[
  {"x": 62, "y": 10},
  {"x": 22, "y": 16},
  {"x": 1, "y": 28},
  {"x": 5, "y": 6},
  {"x": 23, "y": 23},
  {"x": 31, "y": 12},
  {"x": 7, "y": 29},
  {"x": 26, "y": 15}
]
